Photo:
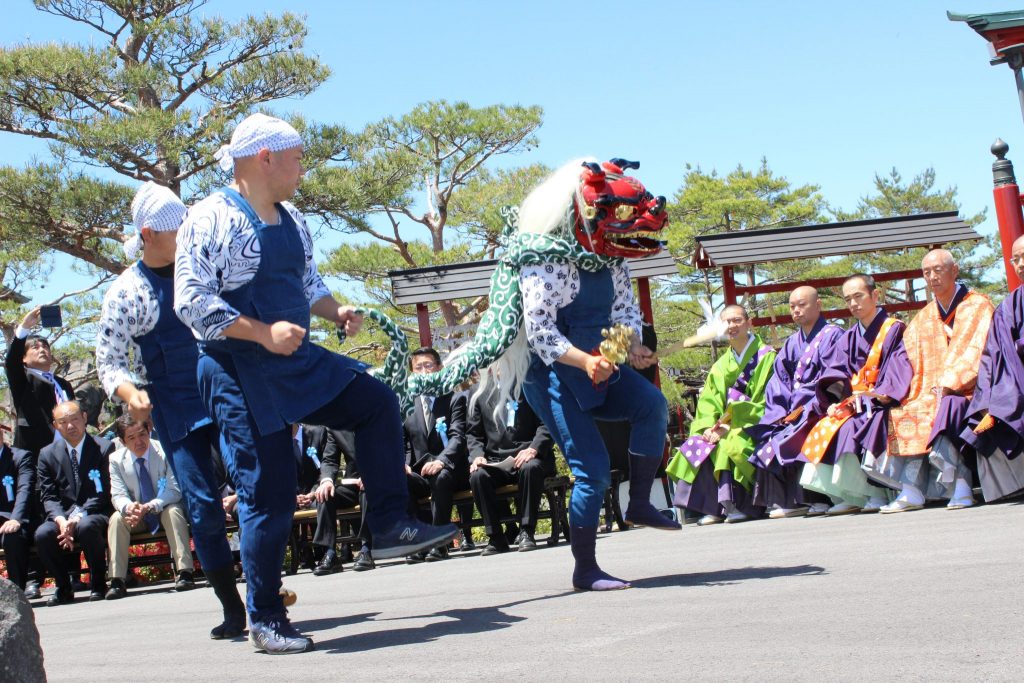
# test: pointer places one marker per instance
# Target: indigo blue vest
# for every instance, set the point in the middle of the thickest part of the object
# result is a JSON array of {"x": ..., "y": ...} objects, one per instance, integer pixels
[
  {"x": 280, "y": 390},
  {"x": 581, "y": 323},
  {"x": 170, "y": 355}
]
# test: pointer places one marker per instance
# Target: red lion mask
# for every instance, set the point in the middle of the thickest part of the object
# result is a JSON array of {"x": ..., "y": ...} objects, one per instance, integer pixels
[{"x": 615, "y": 214}]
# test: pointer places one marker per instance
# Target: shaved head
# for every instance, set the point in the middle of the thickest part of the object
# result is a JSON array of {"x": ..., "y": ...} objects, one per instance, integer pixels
[
  {"x": 1017, "y": 256},
  {"x": 804, "y": 292},
  {"x": 940, "y": 257},
  {"x": 805, "y": 307},
  {"x": 733, "y": 309}
]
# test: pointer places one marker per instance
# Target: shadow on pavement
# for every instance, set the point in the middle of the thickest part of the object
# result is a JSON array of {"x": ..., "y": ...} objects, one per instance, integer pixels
[
  {"x": 727, "y": 577},
  {"x": 456, "y": 622}
]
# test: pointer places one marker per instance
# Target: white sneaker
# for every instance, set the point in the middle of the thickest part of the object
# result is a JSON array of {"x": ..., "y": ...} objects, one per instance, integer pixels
[
  {"x": 736, "y": 517},
  {"x": 874, "y": 505},
  {"x": 842, "y": 509},
  {"x": 707, "y": 520},
  {"x": 818, "y": 509},
  {"x": 783, "y": 513},
  {"x": 899, "y": 506}
]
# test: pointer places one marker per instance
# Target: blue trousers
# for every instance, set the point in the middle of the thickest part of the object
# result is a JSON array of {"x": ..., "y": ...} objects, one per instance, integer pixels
[
  {"x": 263, "y": 470},
  {"x": 192, "y": 463},
  {"x": 629, "y": 397},
  {"x": 369, "y": 408}
]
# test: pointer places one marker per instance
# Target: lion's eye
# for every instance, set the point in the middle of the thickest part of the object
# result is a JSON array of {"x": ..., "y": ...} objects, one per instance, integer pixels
[{"x": 624, "y": 211}]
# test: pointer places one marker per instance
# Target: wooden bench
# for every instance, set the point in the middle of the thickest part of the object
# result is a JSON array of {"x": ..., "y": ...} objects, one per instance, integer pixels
[{"x": 555, "y": 491}]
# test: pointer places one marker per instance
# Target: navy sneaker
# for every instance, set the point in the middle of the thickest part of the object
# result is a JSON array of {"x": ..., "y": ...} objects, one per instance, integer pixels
[
  {"x": 277, "y": 636},
  {"x": 410, "y": 536}
]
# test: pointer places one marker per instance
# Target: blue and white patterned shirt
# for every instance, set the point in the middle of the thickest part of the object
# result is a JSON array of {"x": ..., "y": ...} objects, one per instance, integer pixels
[
  {"x": 130, "y": 309},
  {"x": 218, "y": 251},
  {"x": 547, "y": 288}
]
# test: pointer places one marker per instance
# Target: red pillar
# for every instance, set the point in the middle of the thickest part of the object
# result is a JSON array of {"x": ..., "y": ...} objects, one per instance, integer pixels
[
  {"x": 728, "y": 285},
  {"x": 423, "y": 323},
  {"x": 1008, "y": 208}
]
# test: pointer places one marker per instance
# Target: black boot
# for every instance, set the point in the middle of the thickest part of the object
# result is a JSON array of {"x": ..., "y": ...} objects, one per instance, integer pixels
[
  {"x": 642, "y": 470},
  {"x": 223, "y": 583},
  {"x": 586, "y": 575}
]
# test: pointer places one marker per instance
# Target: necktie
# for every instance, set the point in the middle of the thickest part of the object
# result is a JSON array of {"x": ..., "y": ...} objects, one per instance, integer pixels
[
  {"x": 428, "y": 407},
  {"x": 297, "y": 451},
  {"x": 74, "y": 467},
  {"x": 146, "y": 489}
]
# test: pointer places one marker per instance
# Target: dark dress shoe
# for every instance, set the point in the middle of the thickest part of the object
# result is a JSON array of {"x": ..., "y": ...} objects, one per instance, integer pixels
[
  {"x": 497, "y": 546},
  {"x": 467, "y": 544},
  {"x": 364, "y": 562},
  {"x": 117, "y": 590},
  {"x": 328, "y": 564},
  {"x": 61, "y": 597},
  {"x": 96, "y": 596},
  {"x": 437, "y": 554},
  {"x": 32, "y": 591},
  {"x": 416, "y": 558},
  {"x": 525, "y": 541},
  {"x": 185, "y": 582}
]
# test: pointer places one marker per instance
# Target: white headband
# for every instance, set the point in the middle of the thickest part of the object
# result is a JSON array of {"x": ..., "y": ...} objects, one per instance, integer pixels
[
  {"x": 256, "y": 132},
  {"x": 155, "y": 207}
]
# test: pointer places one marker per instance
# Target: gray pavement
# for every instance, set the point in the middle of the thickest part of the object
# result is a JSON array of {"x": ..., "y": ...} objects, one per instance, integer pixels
[{"x": 922, "y": 596}]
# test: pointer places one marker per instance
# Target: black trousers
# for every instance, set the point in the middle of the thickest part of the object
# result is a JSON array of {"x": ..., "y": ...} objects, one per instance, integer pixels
[
  {"x": 15, "y": 546},
  {"x": 530, "y": 479},
  {"x": 326, "y": 534},
  {"x": 441, "y": 489},
  {"x": 91, "y": 535}
]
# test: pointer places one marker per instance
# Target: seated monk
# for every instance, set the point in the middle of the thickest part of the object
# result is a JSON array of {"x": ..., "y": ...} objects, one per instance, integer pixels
[
  {"x": 867, "y": 373},
  {"x": 712, "y": 467},
  {"x": 787, "y": 418},
  {"x": 944, "y": 342},
  {"x": 995, "y": 422}
]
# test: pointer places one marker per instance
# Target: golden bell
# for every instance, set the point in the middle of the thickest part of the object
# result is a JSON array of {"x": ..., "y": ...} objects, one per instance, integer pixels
[{"x": 616, "y": 344}]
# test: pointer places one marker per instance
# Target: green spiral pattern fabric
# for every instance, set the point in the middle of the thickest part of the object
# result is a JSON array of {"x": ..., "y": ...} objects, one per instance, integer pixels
[{"x": 499, "y": 325}]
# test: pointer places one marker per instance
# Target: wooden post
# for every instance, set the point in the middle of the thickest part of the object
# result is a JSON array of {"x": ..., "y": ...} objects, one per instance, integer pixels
[
  {"x": 1008, "y": 208},
  {"x": 728, "y": 285},
  {"x": 423, "y": 323}
]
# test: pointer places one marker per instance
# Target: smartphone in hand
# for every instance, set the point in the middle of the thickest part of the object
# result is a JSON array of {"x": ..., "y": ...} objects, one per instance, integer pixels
[{"x": 50, "y": 316}]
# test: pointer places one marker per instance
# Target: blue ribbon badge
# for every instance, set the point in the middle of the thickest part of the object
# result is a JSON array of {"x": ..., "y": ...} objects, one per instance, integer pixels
[
  {"x": 511, "y": 407},
  {"x": 161, "y": 486},
  {"x": 95, "y": 476},
  {"x": 442, "y": 430},
  {"x": 9, "y": 486},
  {"x": 311, "y": 452}
]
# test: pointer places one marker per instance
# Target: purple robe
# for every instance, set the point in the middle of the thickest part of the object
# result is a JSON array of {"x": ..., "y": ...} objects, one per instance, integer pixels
[
  {"x": 863, "y": 432},
  {"x": 1000, "y": 388},
  {"x": 797, "y": 369}
]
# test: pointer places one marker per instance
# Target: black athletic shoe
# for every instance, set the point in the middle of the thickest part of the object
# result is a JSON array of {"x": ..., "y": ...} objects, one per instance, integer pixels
[
  {"x": 525, "y": 541},
  {"x": 410, "y": 536}
]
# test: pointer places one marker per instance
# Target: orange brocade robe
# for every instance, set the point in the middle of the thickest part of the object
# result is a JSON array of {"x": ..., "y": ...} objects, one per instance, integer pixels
[{"x": 940, "y": 357}]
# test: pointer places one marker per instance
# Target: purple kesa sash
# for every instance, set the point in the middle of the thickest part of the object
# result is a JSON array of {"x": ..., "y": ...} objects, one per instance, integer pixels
[
  {"x": 804, "y": 364},
  {"x": 696, "y": 449}
]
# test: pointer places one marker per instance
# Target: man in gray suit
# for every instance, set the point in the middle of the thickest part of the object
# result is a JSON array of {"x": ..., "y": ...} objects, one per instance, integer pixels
[{"x": 146, "y": 498}]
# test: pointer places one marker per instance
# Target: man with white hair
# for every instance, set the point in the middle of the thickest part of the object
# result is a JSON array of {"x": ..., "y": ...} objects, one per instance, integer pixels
[
  {"x": 147, "y": 358},
  {"x": 944, "y": 343},
  {"x": 247, "y": 284}
]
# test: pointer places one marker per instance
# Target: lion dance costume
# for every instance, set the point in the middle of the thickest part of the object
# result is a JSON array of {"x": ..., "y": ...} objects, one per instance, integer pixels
[{"x": 562, "y": 280}]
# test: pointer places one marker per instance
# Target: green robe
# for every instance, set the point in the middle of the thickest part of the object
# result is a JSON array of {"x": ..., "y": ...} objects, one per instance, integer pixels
[{"x": 734, "y": 448}]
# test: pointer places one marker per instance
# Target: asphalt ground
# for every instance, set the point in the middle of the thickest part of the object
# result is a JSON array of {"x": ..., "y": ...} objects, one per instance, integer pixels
[{"x": 921, "y": 596}]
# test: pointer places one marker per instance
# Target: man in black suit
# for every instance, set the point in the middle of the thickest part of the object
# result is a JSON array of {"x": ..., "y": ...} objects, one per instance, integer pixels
[
  {"x": 74, "y": 489},
  {"x": 435, "y": 451},
  {"x": 333, "y": 493},
  {"x": 17, "y": 480},
  {"x": 507, "y": 446},
  {"x": 311, "y": 445},
  {"x": 35, "y": 390}
]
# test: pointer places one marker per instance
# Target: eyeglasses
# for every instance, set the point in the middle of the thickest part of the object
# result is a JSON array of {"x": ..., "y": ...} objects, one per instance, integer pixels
[{"x": 426, "y": 365}]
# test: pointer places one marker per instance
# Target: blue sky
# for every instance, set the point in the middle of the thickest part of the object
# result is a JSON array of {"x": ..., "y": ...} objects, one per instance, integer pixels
[{"x": 829, "y": 93}]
